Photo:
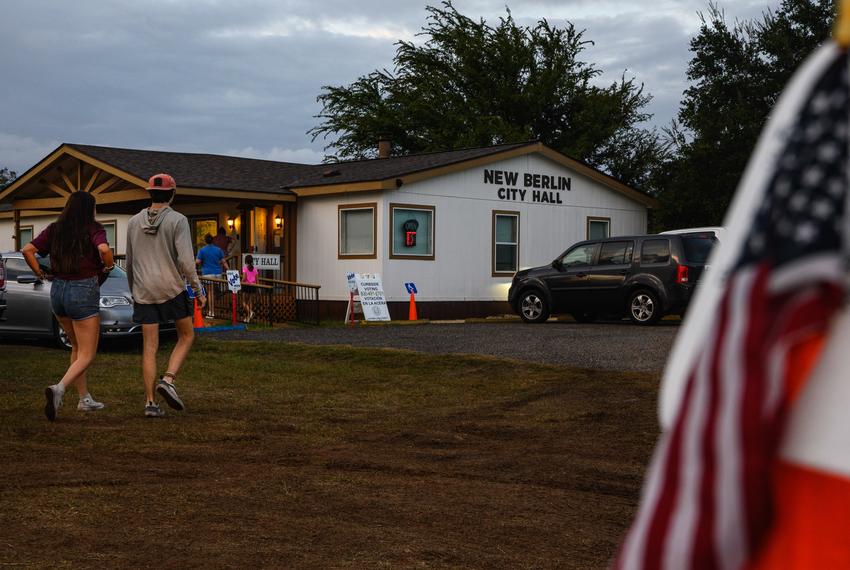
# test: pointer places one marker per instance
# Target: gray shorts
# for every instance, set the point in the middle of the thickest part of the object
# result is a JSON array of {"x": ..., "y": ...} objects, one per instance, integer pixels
[{"x": 78, "y": 299}]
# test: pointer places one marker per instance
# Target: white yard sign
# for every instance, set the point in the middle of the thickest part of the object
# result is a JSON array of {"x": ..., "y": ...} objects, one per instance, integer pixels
[
  {"x": 264, "y": 261},
  {"x": 371, "y": 293},
  {"x": 233, "y": 282}
]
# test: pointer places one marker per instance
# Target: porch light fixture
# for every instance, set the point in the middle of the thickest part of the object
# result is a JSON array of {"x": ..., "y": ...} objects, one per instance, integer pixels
[
  {"x": 277, "y": 222},
  {"x": 230, "y": 223}
]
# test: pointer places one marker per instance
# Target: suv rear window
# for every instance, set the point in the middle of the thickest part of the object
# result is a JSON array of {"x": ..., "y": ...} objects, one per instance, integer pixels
[
  {"x": 698, "y": 247},
  {"x": 655, "y": 251}
]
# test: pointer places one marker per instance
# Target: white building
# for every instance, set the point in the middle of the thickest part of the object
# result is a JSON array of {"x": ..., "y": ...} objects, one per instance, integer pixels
[{"x": 457, "y": 223}]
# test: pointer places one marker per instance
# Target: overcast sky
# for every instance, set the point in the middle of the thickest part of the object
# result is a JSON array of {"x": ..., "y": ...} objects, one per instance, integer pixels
[{"x": 241, "y": 77}]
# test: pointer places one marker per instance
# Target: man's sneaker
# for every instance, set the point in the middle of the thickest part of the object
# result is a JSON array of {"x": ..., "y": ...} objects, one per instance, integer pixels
[
  {"x": 52, "y": 403},
  {"x": 154, "y": 411},
  {"x": 169, "y": 393},
  {"x": 89, "y": 404}
]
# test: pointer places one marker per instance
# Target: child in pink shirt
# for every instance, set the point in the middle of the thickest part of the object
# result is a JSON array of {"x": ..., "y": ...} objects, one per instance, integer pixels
[{"x": 249, "y": 278}]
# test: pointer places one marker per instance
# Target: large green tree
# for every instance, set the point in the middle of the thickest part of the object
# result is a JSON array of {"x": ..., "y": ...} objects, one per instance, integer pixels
[
  {"x": 737, "y": 73},
  {"x": 471, "y": 84}
]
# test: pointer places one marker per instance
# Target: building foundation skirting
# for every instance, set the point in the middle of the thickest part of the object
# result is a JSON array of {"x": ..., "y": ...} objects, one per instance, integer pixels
[{"x": 432, "y": 310}]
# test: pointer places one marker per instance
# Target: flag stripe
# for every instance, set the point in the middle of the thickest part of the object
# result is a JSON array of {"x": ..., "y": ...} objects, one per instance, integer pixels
[
  {"x": 660, "y": 519},
  {"x": 704, "y": 554},
  {"x": 727, "y": 444},
  {"x": 680, "y": 542},
  {"x": 752, "y": 429}
]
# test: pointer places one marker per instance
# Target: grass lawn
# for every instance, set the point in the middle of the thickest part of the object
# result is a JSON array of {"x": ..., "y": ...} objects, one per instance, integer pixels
[{"x": 325, "y": 457}]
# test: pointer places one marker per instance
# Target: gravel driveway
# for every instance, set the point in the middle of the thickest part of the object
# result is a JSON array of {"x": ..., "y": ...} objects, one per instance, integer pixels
[{"x": 610, "y": 345}]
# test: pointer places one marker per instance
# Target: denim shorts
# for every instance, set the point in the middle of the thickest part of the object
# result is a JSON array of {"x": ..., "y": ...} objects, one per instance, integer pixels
[{"x": 78, "y": 299}]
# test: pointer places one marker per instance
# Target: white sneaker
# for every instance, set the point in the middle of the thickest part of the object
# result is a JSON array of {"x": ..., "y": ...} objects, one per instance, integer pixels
[
  {"x": 53, "y": 401},
  {"x": 89, "y": 404}
]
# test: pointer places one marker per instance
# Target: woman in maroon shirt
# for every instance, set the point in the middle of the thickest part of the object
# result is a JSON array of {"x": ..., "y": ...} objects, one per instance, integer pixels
[{"x": 80, "y": 260}]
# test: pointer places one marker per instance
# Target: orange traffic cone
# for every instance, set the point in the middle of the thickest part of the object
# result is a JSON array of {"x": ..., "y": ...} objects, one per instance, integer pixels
[
  {"x": 198, "y": 321},
  {"x": 412, "y": 314}
]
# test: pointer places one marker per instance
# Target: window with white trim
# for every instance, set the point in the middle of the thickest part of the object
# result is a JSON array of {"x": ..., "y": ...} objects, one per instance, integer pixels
[
  {"x": 26, "y": 234},
  {"x": 411, "y": 231},
  {"x": 598, "y": 228},
  {"x": 505, "y": 243},
  {"x": 109, "y": 228},
  {"x": 357, "y": 231}
]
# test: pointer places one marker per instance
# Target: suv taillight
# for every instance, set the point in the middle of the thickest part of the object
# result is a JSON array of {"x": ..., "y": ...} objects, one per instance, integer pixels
[{"x": 682, "y": 274}]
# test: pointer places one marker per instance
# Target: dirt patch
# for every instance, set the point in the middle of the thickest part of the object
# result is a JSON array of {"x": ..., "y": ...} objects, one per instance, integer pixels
[{"x": 325, "y": 458}]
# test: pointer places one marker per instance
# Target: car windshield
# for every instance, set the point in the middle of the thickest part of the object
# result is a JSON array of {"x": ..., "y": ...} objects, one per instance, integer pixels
[
  {"x": 116, "y": 273},
  {"x": 698, "y": 246}
]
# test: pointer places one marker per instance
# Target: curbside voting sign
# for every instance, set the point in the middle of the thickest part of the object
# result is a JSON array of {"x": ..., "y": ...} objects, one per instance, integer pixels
[
  {"x": 371, "y": 294},
  {"x": 233, "y": 282}
]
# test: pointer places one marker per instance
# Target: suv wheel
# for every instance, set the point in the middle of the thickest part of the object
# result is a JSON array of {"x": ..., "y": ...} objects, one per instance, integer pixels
[
  {"x": 533, "y": 307},
  {"x": 60, "y": 335},
  {"x": 644, "y": 308}
]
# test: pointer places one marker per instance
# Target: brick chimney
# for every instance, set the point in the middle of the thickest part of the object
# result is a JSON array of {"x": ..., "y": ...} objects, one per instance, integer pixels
[{"x": 384, "y": 146}]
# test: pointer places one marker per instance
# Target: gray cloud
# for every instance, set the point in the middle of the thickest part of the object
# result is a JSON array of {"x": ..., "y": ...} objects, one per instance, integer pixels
[{"x": 242, "y": 77}]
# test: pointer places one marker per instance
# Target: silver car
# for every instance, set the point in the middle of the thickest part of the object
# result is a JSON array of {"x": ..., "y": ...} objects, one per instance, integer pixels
[
  {"x": 2, "y": 287},
  {"x": 28, "y": 312}
]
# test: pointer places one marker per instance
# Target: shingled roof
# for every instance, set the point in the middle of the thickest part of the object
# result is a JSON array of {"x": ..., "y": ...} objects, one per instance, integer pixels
[
  {"x": 393, "y": 166},
  {"x": 201, "y": 170},
  {"x": 250, "y": 174},
  {"x": 230, "y": 173}
]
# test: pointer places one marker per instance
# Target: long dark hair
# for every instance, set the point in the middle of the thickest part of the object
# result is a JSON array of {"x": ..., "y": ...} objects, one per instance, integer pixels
[
  {"x": 70, "y": 240},
  {"x": 249, "y": 261}
]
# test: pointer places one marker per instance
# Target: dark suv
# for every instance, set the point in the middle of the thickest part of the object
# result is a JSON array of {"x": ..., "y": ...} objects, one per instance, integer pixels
[{"x": 645, "y": 277}]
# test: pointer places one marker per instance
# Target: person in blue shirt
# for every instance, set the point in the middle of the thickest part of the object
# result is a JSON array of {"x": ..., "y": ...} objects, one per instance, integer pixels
[
  {"x": 212, "y": 263},
  {"x": 211, "y": 259}
]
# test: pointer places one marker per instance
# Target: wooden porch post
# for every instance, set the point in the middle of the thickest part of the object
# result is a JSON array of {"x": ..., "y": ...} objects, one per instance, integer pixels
[
  {"x": 244, "y": 213},
  {"x": 16, "y": 213},
  {"x": 288, "y": 245},
  {"x": 292, "y": 235}
]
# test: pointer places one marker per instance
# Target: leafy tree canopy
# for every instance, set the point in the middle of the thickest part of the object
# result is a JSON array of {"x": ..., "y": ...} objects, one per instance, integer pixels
[
  {"x": 6, "y": 177},
  {"x": 472, "y": 84},
  {"x": 737, "y": 73}
]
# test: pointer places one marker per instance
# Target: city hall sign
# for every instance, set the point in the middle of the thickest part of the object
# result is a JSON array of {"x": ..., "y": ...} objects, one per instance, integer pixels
[{"x": 540, "y": 188}]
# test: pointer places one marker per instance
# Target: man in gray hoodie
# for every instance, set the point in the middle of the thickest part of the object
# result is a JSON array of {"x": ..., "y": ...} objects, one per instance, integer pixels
[{"x": 160, "y": 261}]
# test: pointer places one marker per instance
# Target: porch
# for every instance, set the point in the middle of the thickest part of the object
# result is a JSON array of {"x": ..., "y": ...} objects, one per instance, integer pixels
[{"x": 245, "y": 198}]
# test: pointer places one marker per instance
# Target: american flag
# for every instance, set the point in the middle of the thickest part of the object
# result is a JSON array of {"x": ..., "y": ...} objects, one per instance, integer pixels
[{"x": 780, "y": 280}]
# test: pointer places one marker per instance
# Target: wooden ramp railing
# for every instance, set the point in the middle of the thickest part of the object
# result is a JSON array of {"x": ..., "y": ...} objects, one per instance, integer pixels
[{"x": 270, "y": 300}]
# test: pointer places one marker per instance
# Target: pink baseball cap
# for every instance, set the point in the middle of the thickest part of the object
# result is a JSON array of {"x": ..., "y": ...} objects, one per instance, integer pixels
[{"x": 162, "y": 182}]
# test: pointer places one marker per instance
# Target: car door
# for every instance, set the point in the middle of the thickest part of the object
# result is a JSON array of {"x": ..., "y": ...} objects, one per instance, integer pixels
[
  {"x": 27, "y": 304},
  {"x": 607, "y": 275},
  {"x": 570, "y": 282}
]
